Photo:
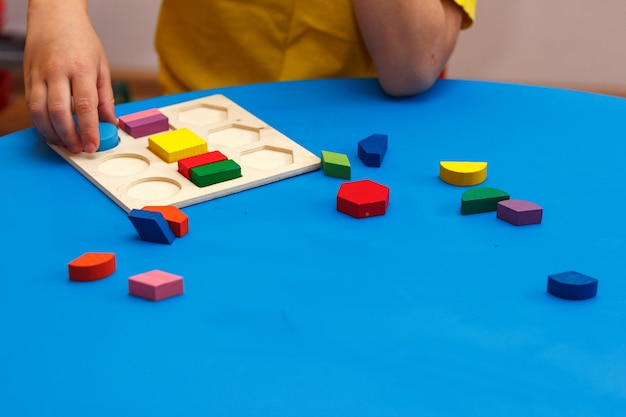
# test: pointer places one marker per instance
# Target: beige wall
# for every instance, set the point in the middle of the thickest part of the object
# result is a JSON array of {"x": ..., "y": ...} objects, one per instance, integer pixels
[
  {"x": 126, "y": 29},
  {"x": 552, "y": 42}
]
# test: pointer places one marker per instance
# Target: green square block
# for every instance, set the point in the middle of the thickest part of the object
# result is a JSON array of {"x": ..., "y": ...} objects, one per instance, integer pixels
[
  {"x": 215, "y": 172},
  {"x": 336, "y": 165}
]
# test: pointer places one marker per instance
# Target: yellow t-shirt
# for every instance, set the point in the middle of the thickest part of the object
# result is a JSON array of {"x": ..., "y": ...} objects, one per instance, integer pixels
[{"x": 215, "y": 43}]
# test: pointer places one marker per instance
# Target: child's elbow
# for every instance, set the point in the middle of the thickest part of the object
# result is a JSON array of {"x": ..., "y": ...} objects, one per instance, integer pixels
[{"x": 408, "y": 83}]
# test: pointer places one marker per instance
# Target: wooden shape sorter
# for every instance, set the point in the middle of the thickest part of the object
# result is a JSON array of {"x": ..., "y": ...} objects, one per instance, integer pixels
[{"x": 133, "y": 176}]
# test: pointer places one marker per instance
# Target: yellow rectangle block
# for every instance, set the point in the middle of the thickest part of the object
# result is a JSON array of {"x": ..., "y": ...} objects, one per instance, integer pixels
[{"x": 177, "y": 144}]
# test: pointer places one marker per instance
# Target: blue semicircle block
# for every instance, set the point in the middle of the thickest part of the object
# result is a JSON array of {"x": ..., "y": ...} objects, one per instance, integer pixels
[{"x": 572, "y": 285}]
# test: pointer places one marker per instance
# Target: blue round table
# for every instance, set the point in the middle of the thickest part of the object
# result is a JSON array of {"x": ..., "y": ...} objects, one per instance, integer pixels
[{"x": 292, "y": 308}]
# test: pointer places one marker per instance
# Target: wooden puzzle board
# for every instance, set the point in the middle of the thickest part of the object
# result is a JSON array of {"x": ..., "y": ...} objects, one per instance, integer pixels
[{"x": 133, "y": 176}]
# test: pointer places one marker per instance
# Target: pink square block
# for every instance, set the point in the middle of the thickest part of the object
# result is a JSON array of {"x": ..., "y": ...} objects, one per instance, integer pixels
[{"x": 155, "y": 285}]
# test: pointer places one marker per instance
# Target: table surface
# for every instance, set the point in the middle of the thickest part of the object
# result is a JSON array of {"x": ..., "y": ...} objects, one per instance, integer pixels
[{"x": 294, "y": 309}]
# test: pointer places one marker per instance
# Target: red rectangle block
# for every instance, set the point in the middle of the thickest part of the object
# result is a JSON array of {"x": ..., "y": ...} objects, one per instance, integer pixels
[{"x": 185, "y": 165}]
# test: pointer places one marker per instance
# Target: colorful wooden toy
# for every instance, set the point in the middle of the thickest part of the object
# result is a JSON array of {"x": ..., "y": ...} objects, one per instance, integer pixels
[
  {"x": 462, "y": 174},
  {"x": 175, "y": 218},
  {"x": 109, "y": 138},
  {"x": 133, "y": 176},
  {"x": 185, "y": 164},
  {"x": 519, "y": 212},
  {"x": 92, "y": 266},
  {"x": 155, "y": 285},
  {"x": 216, "y": 172},
  {"x": 336, "y": 165},
  {"x": 572, "y": 285},
  {"x": 372, "y": 149},
  {"x": 481, "y": 200},
  {"x": 364, "y": 198},
  {"x": 174, "y": 145},
  {"x": 151, "y": 226},
  {"x": 144, "y": 123}
]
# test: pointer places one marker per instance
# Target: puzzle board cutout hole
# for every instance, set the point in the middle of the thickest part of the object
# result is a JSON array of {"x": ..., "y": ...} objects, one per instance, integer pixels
[
  {"x": 267, "y": 157},
  {"x": 154, "y": 189},
  {"x": 203, "y": 115},
  {"x": 234, "y": 136},
  {"x": 124, "y": 165}
]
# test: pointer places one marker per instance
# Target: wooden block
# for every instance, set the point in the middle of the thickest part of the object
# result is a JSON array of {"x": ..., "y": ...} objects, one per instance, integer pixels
[
  {"x": 519, "y": 212},
  {"x": 185, "y": 164},
  {"x": 572, "y": 285},
  {"x": 122, "y": 120},
  {"x": 155, "y": 285},
  {"x": 336, "y": 165},
  {"x": 176, "y": 219},
  {"x": 176, "y": 144},
  {"x": 462, "y": 174},
  {"x": 151, "y": 226},
  {"x": 372, "y": 149},
  {"x": 481, "y": 200},
  {"x": 109, "y": 138},
  {"x": 92, "y": 266},
  {"x": 144, "y": 123},
  {"x": 364, "y": 198},
  {"x": 214, "y": 173},
  {"x": 133, "y": 176},
  {"x": 148, "y": 126}
]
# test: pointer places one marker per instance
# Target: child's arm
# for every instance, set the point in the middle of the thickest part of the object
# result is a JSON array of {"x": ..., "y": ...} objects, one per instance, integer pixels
[
  {"x": 64, "y": 61},
  {"x": 410, "y": 41}
]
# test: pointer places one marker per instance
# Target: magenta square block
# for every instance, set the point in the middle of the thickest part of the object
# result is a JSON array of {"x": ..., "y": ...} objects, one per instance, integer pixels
[
  {"x": 519, "y": 212},
  {"x": 155, "y": 285}
]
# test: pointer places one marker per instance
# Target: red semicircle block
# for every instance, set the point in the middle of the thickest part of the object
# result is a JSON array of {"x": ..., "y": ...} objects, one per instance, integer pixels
[{"x": 92, "y": 266}]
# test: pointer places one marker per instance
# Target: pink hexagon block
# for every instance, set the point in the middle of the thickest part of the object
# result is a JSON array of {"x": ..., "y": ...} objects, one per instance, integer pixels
[
  {"x": 519, "y": 212},
  {"x": 363, "y": 198},
  {"x": 155, "y": 285}
]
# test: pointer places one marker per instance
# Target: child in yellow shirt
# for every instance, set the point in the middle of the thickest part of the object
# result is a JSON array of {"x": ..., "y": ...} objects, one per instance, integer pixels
[{"x": 212, "y": 43}]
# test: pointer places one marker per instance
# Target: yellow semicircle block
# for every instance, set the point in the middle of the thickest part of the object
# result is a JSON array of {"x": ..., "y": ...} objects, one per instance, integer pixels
[{"x": 462, "y": 173}]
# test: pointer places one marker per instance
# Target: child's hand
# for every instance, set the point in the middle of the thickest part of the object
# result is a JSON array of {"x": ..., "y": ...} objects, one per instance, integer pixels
[{"x": 65, "y": 68}]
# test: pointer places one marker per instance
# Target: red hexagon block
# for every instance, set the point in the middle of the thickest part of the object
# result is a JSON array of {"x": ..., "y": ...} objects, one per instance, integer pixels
[{"x": 363, "y": 198}]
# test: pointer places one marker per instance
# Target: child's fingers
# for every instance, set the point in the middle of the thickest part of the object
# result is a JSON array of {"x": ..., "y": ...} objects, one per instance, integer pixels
[
  {"x": 60, "y": 112},
  {"x": 85, "y": 96},
  {"x": 106, "y": 100}
]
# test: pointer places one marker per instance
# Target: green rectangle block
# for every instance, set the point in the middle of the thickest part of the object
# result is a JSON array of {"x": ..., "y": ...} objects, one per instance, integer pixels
[{"x": 215, "y": 172}]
